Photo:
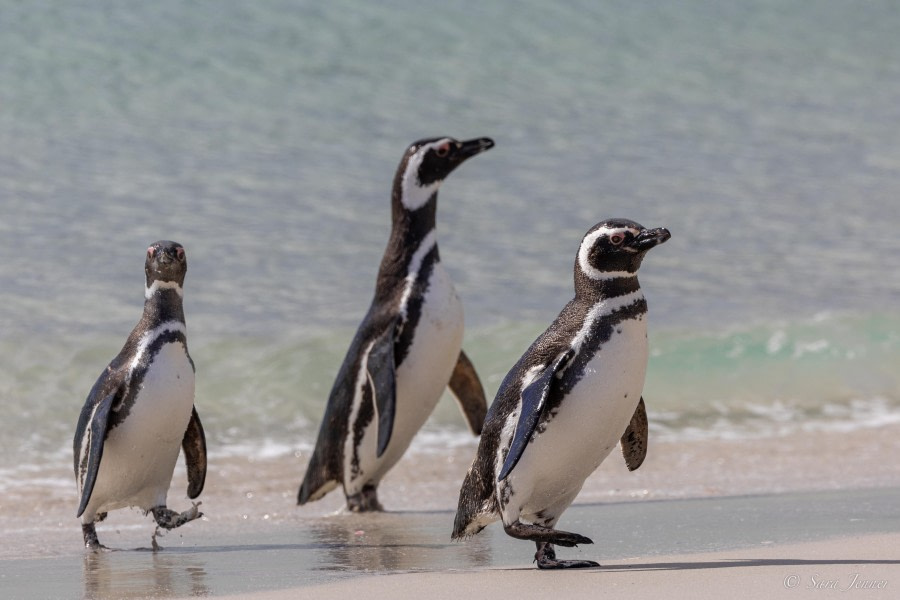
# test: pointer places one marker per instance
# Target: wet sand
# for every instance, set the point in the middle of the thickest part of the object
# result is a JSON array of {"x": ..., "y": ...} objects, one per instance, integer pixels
[
  {"x": 738, "y": 497},
  {"x": 846, "y": 567}
]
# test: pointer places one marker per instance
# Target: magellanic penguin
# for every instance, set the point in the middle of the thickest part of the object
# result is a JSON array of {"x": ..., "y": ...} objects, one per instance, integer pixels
[
  {"x": 141, "y": 411},
  {"x": 573, "y": 395},
  {"x": 408, "y": 347}
]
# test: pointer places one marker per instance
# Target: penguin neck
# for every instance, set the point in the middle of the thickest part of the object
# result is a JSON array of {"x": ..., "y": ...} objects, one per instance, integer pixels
[
  {"x": 413, "y": 207},
  {"x": 592, "y": 291},
  {"x": 411, "y": 231},
  {"x": 163, "y": 304},
  {"x": 605, "y": 301}
]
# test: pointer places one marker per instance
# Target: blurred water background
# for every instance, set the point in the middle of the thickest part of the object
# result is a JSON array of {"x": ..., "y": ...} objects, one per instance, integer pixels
[{"x": 264, "y": 136}]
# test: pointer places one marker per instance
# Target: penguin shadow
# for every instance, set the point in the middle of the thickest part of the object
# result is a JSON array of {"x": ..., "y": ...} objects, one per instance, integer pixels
[
  {"x": 394, "y": 541},
  {"x": 743, "y": 563},
  {"x": 142, "y": 574},
  {"x": 734, "y": 563}
]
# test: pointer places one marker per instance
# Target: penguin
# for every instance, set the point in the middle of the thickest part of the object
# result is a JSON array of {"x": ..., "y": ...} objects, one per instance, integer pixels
[
  {"x": 407, "y": 349},
  {"x": 573, "y": 395},
  {"x": 141, "y": 411}
]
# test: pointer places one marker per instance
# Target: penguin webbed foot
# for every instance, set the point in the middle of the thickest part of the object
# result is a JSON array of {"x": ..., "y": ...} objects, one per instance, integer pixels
[
  {"x": 545, "y": 557},
  {"x": 365, "y": 501},
  {"x": 538, "y": 534},
  {"x": 169, "y": 519},
  {"x": 91, "y": 541}
]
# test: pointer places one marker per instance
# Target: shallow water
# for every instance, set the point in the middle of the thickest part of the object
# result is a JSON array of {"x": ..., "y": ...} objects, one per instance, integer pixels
[{"x": 264, "y": 139}]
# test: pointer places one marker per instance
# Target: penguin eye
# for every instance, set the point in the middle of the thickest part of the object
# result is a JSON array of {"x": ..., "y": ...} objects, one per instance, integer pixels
[
  {"x": 616, "y": 239},
  {"x": 442, "y": 150},
  {"x": 179, "y": 252},
  {"x": 151, "y": 252}
]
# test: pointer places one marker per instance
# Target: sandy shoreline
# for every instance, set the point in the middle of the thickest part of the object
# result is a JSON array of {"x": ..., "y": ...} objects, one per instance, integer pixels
[
  {"x": 744, "y": 546},
  {"x": 850, "y": 567},
  {"x": 689, "y": 497}
]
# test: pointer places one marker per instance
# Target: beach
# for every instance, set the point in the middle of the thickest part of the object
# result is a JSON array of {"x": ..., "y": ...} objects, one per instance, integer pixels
[
  {"x": 769, "y": 571},
  {"x": 742, "y": 514},
  {"x": 264, "y": 138}
]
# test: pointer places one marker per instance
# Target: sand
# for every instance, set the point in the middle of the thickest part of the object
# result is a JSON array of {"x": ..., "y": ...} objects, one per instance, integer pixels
[
  {"x": 810, "y": 504},
  {"x": 846, "y": 567}
]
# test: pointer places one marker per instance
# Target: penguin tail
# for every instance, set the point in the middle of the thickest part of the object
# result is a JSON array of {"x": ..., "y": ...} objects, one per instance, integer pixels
[
  {"x": 315, "y": 485},
  {"x": 320, "y": 478},
  {"x": 477, "y": 506}
]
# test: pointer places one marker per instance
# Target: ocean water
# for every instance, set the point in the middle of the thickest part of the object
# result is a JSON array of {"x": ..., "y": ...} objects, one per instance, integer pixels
[{"x": 264, "y": 136}]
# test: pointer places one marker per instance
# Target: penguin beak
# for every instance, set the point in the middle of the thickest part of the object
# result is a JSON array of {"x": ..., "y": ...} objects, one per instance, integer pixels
[
  {"x": 648, "y": 238},
  {"x": 470, "y": 148},
  {"x": 165, "y": 256}
]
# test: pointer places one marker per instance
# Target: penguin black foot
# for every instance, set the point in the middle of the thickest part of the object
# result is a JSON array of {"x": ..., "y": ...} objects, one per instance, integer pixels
[
  {"x": 154, "y": 545},
  {"x": 169, "y": 519},
  {"x": 536, "y": 533},
  {"x": 545, "y": 557},
  {"x": 91, "y": 542},
  {"x": 365, "y": 501}
]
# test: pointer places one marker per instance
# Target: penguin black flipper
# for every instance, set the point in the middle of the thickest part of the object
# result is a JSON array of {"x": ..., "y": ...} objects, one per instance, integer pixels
[
  {"x": 194, "y": 446},
  {"x": 534, "y": 398},
  {"x": 96, "y": 432},
  {"x": 634, "y": 440},
  {"x": 469, "y": 393},
  {"x": 381, "y": 373}
]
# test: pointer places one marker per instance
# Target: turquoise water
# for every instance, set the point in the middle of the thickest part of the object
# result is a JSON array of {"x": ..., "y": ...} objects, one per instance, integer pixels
[{"x": 264, "y": 137}]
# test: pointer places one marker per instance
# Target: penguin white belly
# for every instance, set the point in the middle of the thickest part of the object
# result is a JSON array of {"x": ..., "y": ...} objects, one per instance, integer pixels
[
  {"x": 140, "y": 453},
  {"x": 420, "y": 378},
  {"x": 587, "y": 425}
]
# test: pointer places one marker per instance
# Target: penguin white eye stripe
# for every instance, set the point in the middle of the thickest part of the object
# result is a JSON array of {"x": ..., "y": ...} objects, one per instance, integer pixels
[
  {"x": 435, "y": 146},
  {"x": 609, "y": 232},
  {"x": 415, "y": 195},
  {"x": 589, "y": 242}
]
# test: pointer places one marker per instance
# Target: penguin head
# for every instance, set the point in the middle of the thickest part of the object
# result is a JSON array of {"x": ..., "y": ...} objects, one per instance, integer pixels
[
  {"x": 615, "y": 248},
  {"x": 426, "y": 163},
  {"x": 165, "y": 266}
]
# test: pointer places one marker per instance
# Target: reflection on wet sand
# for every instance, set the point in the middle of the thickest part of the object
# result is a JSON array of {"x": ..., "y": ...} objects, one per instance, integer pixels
[
  {"x": 405, "y": 541},
  {"x": 242, "y": 556},
  {"x": 143, "y": 574},
  {"x": 303, "y": 552}
]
